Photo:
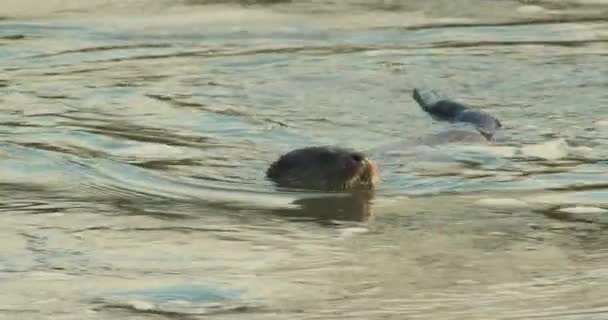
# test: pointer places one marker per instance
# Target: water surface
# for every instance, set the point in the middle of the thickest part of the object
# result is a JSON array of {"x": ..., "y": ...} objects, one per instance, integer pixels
[{"x": 134, "y": 137}]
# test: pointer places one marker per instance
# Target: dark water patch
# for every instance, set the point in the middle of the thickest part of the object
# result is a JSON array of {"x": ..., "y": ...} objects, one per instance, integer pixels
[
  {"x": 105, "y": 48},
  {"x": 241, "y": 2},
  {"x": 180, "y": 54},
  {"x": 77, "y": 71},
  {"x": 13, "y": 36},
  {"x": 311, "y": 50},
  {"x": 146, "y": 206},
  {"x": 165, "y": 165},
  {"x": 594, "y": 313},
  {"x": 53, "y": 96},
  {"x": 180, "y": 103},
  {"x": 563, "y": 43},
  {"x": 19, "y": 311},
  {"x": 130, "y": 309},
  {"x": 542, "y": 172},
  {"x": 536, "y": 21},
  {"x": 20, "y": 205},
  {"x": 37, "y": 28},
  {"x": 549, "y": 4},
  {"x": 173, "y": 101},
  {"x": 72, "y": 150},
  {"x": 139, "y": 133},
  {"x": 10, "y": 189},
  {"x": 277, "y": 122},
  {"x": 43, "y": 206},
  {"x": 48, "y": 95},
  {"x": 581, "y": 187},
  {"x": 180, "y": 229},
  {"x": 19, "y": 124},
  {"x": 140, "y": 80}
]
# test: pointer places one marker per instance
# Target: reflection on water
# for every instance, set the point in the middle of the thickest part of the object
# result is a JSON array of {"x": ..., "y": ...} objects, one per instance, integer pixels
[{"x": 134, "y": 140}]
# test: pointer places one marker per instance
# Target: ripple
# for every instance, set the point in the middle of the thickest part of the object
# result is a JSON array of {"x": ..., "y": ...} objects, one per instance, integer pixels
[
  {"x": 105, "y": 48},
  {"x": 583, "y": 210},
  {"x": 502, "y": 203},
  {"x": 133, "y": 149}
]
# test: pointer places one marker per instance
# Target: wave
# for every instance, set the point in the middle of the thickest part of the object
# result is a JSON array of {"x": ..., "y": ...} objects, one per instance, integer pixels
[{"x": 503, "y": 11}]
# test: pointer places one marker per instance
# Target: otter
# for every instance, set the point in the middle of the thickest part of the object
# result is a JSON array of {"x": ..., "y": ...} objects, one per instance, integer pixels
[{"x": 324, "y": 168}]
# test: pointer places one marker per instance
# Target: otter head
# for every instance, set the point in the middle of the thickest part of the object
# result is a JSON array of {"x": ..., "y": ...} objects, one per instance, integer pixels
[{"x": 324, "y": 168}]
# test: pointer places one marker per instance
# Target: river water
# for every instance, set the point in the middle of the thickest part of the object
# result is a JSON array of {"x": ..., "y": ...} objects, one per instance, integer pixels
[{"x": 134, "y": 136}]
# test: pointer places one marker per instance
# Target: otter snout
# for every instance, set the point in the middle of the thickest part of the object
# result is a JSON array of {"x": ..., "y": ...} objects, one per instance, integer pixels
[{"x": 371, "y": 172}]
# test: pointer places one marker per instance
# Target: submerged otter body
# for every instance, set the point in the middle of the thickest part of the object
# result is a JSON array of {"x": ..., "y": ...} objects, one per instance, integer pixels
[{"x": 444, "y": 109}]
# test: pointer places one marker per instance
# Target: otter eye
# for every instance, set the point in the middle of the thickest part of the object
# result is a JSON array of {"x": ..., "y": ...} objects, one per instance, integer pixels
[{"x": 358, "y": 157}]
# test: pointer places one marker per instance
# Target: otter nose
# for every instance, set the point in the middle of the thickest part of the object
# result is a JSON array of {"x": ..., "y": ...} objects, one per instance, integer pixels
[{"x": 357, "y": 156}]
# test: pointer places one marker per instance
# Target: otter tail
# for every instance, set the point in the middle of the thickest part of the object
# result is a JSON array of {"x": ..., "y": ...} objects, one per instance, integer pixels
[
  {"x": 438, "y": 107},
  {"x": 426, "y": 98}
]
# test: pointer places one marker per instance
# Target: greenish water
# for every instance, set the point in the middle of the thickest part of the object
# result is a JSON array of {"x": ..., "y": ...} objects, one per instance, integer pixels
[{"x": 134, "y": 137}]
